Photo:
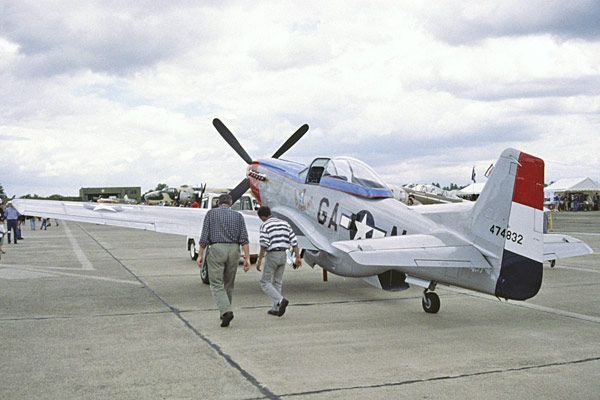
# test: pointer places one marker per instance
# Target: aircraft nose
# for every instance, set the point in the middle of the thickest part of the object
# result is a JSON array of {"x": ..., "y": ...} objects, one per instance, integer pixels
[{"x": 254, "y": 177}]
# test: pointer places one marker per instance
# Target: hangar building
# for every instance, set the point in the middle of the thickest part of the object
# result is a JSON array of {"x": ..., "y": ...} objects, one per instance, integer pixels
[{"x": 93, "y": 194}]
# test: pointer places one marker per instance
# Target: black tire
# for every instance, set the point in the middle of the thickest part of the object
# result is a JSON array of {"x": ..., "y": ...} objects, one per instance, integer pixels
[
  {"x": 192, "y": 249},
  {"x": 204, "y": 274},
  {"x": 431, "y": 302},
  {"x": 552, "y": 263},
  {"x": 204, "y": 269},
  {"x": 253, "y": 259}
]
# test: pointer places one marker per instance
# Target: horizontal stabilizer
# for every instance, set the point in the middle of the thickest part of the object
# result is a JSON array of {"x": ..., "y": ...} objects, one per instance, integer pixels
[
  {"x": 557, "y": 246},
  {"x": 421, "y": 251}
]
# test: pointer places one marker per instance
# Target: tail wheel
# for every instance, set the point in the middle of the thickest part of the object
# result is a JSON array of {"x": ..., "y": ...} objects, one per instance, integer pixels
[{"x": 431, "y": 302}]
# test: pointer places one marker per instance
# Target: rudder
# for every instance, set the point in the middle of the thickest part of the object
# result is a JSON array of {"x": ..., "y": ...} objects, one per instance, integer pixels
[
  {"x": 508, "y": 224},
  {"x": 522, "y": 261}
]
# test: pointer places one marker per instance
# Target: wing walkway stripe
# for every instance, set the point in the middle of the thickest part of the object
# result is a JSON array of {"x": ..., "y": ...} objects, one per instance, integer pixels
[{"x": 251, "y": 379}]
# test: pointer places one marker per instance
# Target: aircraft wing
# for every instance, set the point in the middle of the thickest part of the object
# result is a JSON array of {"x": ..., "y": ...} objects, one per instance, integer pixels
[
  {"x": 173, "y": 220},
  {"x": 558, "y": 246},
  {"x": 421, "y": 251}
]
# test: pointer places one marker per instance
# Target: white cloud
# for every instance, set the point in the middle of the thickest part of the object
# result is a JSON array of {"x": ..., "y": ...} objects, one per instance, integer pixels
[{"x": 112, "y": 93}]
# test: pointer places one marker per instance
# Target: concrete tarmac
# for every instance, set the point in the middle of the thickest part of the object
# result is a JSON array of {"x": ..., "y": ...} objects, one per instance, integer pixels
[{"x": 96, "y": 312}]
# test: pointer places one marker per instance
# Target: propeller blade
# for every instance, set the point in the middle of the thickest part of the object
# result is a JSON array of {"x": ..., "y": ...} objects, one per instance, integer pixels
[
  {"x": 233, "y": 142},
  {"x": 291, "y": 141},
  {"x": 202, "y": 192},
  {"x": 239, "y": 190}
]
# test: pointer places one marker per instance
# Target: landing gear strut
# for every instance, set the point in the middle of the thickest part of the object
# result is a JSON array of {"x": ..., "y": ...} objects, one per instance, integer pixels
[{"x": 431, "y": 302}]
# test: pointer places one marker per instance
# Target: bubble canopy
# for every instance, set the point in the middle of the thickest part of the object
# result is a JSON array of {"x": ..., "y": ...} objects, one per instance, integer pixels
[{"x": 346, "y": 174}]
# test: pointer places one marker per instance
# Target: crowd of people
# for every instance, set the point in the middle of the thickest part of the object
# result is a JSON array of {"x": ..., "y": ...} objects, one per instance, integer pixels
[
  {"x": 575, "y": 202},
  {"x": 12, "y": 222}
]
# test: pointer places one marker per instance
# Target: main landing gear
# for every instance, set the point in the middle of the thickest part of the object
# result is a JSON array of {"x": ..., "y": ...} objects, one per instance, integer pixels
[{"x": 431, "y": 302}]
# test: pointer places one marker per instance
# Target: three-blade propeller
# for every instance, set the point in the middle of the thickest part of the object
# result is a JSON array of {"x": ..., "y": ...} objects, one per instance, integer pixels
[{"x": 226, "y": 134}]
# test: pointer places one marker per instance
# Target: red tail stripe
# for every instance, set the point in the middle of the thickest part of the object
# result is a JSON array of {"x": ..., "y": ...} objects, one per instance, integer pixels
[{"x": 529, "y": 184}]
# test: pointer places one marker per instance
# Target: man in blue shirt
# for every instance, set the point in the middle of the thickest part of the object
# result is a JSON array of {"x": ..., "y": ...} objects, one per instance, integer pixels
[
  {"x": 224, "y": 230},
  {"x": 2, "y": 228},
  {"x": 11, "y": 220},
  {"x": 276, "y": 236}
]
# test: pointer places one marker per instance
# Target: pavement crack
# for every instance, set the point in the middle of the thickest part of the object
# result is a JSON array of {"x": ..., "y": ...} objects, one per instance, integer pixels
[
  {"x": 249, "y": 377},
  {"x": 441, "y": 378}
]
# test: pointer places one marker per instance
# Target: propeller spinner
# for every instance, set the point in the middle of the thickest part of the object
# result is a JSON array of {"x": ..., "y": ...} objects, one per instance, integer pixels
[{"x": 226, "y": 134}]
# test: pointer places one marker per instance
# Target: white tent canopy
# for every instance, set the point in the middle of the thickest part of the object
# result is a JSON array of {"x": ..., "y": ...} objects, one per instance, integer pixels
[
  {"x": 473, "y": 188},
  {"x": 573, "y": 185}
]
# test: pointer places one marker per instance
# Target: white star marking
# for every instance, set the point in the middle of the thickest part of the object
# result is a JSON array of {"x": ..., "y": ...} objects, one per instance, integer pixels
[
  {"x": 362, "y": 228},
  {"x": 104, "y": 207}
]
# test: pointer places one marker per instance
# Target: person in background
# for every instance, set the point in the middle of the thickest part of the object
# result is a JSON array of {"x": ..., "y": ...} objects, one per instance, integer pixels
[
  {"x": 12, "y": 216},
  {"x": 20, "y": 223},
  {"x": 2, "y": 228}
]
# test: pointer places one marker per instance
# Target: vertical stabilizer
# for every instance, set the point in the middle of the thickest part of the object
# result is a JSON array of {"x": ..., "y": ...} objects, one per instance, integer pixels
[{"x": 508, "y": 223}]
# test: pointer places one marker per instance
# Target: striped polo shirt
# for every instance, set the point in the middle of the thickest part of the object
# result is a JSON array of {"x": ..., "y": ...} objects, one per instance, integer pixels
[{"x": 276, "y": 233}]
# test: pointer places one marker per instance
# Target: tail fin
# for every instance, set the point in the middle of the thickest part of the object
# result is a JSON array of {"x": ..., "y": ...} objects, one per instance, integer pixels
[{"x": 508, "y": 223}]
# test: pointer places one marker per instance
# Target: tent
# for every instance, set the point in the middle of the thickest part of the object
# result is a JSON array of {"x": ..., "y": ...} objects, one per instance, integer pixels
[
  {"x": 588, "y": 187},
  {"x": 473, "y": 188},
  {"x": 573, "y": 185}
]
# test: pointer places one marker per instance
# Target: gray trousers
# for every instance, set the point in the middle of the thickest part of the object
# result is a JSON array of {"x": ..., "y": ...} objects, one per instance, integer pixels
[
  {"x": 222, "y": 262},
  {"x": 272, "y": 276}
]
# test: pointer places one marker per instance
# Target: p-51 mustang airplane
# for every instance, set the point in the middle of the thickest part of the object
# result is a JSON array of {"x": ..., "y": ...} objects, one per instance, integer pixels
[{"x": 349, "y": 224}]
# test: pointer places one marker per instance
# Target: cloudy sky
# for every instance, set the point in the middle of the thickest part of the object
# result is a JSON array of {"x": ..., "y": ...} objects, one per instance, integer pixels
[{"x": 117, "y": 93}]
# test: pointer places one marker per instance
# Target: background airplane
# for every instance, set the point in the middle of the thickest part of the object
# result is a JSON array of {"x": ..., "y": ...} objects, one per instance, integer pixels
[
  {"x": 430, "y": 194},
  {"x": 179, "y": 195}
]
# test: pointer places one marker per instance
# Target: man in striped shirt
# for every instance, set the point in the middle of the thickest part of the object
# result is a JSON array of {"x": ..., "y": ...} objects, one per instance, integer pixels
[{"x": 276, "y": 236}]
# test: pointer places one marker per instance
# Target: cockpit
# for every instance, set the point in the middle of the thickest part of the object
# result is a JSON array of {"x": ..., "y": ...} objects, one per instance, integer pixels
[{"x": 346, "y": 174}]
